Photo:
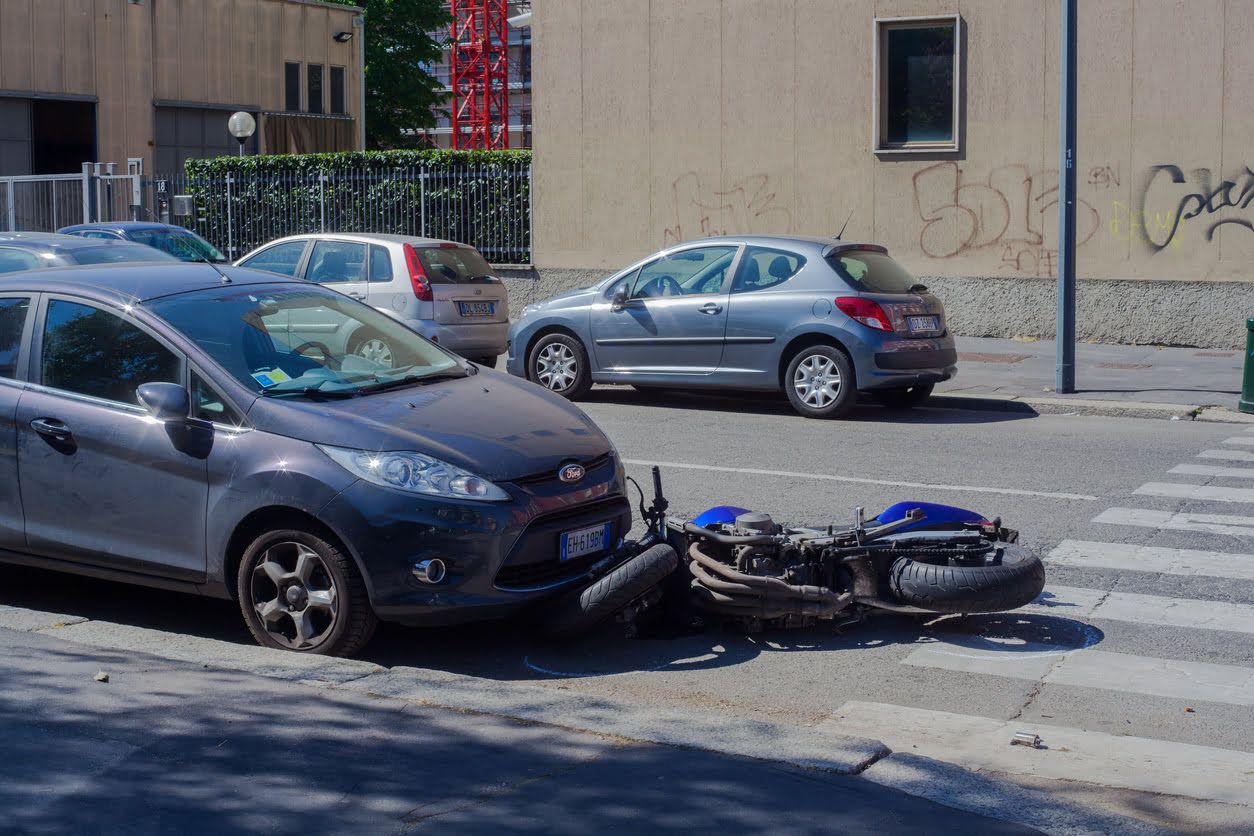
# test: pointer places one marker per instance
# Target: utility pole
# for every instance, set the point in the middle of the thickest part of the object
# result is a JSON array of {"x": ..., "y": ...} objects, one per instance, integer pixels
[{"x": 1064, "y": 376}]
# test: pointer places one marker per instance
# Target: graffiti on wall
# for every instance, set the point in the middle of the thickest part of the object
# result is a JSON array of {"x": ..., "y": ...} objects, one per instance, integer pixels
[
  {"x": 1178, "y": 202},
  {"x": 748, "y": 205},
  {"x": 1012, "y": 213}
]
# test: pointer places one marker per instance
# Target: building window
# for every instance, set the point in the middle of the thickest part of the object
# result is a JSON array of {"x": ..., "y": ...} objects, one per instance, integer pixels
[
  {"x": 337, "y": 90},
  {"x": 918, "y": 70},
  {"x": 291, "y": 86},
  {"x": 313, "y": 78}
]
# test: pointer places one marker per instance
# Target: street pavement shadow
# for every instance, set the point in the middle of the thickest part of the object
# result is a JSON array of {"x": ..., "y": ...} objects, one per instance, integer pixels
[
  {"x": 936, "y": 410},
  {"x": 172, "y": 748}
]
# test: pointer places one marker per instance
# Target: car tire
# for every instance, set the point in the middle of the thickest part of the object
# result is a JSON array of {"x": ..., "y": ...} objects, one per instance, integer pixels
[
  {"x": 559, "y": 363},
  {"x": 904, "y": 398},
  {"x": 300, "y": 592},
  {"x": 578, "y": 612},
  {"x": 820, "y": 383},
  {"x": 1015, "y": 578},
  {"x": 372, "y": 346}
]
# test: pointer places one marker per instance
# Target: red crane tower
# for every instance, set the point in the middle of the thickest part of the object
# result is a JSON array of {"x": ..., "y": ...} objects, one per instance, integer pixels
[{"x": 480, "y": 74}]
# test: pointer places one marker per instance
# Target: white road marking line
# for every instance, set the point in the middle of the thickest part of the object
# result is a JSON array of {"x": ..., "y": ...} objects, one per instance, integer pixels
[
  {"x": 826, "y": 477},
  {"x": 1239, "y": 439},
  {"x": 1214, "y": 493},
  {"x": 1213, "y": 470},
  {"x": 1229, "y": 455},
  {"x": 1135, "y": 608},
  {"x": 1127, "y": 557},
  {"x": 1088, "y": 668},
  {"x": 1209, "y": 523},
  {"x": 1136, "y": 763}
]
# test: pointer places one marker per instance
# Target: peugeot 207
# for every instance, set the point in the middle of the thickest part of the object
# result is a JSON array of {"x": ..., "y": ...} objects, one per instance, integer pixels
[{"x": 194, "y": 429}]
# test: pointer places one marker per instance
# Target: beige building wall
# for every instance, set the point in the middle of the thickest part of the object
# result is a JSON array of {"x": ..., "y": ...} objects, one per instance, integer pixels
[
  {"x": 659, "y": 121},
  {"x": 129, "y": 56}
]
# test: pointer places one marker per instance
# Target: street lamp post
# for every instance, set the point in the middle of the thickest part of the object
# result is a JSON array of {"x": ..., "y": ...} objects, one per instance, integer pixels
[
  {"x": 241, "y": 125},
  {"x": 1064, "y": 375}
]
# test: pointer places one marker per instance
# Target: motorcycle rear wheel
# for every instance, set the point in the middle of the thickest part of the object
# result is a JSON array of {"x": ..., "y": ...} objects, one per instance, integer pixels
[{"x": 1015, "y": 578}]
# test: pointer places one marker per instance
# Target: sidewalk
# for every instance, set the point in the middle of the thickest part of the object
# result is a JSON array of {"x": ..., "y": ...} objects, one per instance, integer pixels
[
  {"x": 168, "y": 746},
  {"x": 1116, "y": 379}
]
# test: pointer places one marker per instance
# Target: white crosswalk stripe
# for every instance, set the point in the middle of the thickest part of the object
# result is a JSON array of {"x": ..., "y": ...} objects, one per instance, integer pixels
[
  {"x": 1129, "y": 557},
  {"x": 1229, "y": 455},
  {"x": 1070, "y": 754},
  {"x": 1239, "y": 526},
  {"x": 1240, "y": 439},
  {"x": 1213, "y": 493},
  {"x": 1213, "y": 470},
  {"x": 1084, "y": 603},
  {"x": 1091, "y": 668}
]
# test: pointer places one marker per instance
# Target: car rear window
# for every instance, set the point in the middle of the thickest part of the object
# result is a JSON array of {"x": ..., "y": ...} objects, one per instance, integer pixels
[
  {"x": 117, "y": 253},
  {"x": 871, "y": 271},
  {"x": 454, "y": 265}
]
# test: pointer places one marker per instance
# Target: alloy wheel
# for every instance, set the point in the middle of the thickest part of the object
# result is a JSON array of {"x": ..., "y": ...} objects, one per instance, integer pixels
[
  {"x": 556, "y": 367},
  {"x": 817, "y": 381},
  {"x": 294, "y": 595},
  {"x": 375, "y": 350}
]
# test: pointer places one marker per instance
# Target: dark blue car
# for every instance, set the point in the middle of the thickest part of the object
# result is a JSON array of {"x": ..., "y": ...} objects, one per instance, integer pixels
[
  {"x": 179, "y": 242},
  {"x": 190, "y": 429}
]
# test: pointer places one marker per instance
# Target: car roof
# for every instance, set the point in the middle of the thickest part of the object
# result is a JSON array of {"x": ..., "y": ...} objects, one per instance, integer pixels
[
  {"x": 807, "y": 241},
  {"x": 122, "y": 226},
  {"x": 136, "y": 282},
  {"x": 377, "y": 237},
  {"x": 49, "y": 241}
]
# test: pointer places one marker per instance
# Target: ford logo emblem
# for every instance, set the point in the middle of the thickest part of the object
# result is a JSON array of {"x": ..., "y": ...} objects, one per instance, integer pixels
[{"x": 571, "y": 473}]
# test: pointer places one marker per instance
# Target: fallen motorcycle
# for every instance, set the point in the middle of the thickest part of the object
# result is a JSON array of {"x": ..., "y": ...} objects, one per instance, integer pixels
[{"x": 741, "y": 568}]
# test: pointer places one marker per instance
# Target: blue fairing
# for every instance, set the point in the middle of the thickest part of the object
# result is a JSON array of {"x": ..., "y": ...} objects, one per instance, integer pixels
[
  {"x": 719, "y": 515},
  {"x": 934, "y": 515}
]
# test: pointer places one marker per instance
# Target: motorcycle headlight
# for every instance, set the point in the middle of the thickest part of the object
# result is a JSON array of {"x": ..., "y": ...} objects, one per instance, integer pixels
[{"x": 415, "y": 472}]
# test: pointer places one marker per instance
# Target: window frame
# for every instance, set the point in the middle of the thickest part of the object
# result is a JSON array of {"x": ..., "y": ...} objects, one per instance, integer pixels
[
  {"x": 322, "y": 89},
  {"x": 300, "y": 86},
  {"x": 879, "y": 85},
  {"x": 36, "y": 351},
  {"x": 753, "y": 249},
  {"x": 301, "y": 261},
  {"x": 379, "y": 251},
  {"x": 363, "y": 273},
  {"x": 331, "y": 86},
  {"x": 22, "y": 364},
  {"x": 737, "y": 248}
]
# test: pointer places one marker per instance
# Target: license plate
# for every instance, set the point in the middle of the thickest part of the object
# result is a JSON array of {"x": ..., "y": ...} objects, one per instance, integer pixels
[
  {"x": 922, "y": 323},
  {"x": 476, "y": 308},
  {"x": 582, "y": 541}
]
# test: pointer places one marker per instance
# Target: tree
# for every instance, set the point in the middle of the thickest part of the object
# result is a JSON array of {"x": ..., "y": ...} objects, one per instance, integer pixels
[{"x": 400, "y": 91}]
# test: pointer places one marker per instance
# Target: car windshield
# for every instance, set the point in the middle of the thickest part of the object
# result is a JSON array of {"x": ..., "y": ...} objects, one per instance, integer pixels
[
  {"x": 107, "y": 253},
  {"x": 873, "y": 272},
  {"x": 304, "y": 341},
  {"x": 453, "y": 264},
  {"x": 180, "y": 243}
]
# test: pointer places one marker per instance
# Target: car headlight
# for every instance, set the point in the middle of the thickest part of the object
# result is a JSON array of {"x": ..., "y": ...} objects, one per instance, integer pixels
[{"x": 415, "y": 472}]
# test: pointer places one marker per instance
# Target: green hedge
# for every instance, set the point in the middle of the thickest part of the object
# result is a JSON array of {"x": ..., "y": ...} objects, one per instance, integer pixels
[{"x": 482, "y": 198}]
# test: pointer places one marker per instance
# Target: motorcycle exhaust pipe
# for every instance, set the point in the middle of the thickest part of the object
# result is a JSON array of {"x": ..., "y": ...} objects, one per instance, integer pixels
[
  {"x": 723, "y": 589},
  {"x": 773, "y": 587}
]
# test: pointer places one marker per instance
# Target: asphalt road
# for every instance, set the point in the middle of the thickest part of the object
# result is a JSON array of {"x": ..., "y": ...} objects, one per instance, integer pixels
[{"x": 1156, "y": 647}]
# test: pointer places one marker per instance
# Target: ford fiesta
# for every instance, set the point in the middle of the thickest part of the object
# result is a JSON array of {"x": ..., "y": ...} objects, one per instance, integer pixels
[{"x": 181, "y": 427}]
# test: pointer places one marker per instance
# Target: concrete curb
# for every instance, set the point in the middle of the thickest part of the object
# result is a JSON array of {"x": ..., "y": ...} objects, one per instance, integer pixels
[{"x": 1031, "y": 405}]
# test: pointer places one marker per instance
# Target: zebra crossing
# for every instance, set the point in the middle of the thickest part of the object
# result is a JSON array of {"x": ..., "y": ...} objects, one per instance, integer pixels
[{"x": 1203, "y": 515}]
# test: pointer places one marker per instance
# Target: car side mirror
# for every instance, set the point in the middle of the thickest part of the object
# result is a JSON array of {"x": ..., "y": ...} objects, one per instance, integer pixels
[
  {"x": 619, "y": 300},
  {"x": 165, "y": 401}
]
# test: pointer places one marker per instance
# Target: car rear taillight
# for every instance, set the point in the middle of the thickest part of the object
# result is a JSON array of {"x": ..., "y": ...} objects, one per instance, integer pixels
[
  {"x": 417, "y": 275},
  {"x": 866, "y": 311}
]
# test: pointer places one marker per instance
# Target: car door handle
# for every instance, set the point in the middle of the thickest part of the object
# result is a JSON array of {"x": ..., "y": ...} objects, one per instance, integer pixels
[
  {"x": 51, "y": 428},
  {"x": 360, "y": 296},
  {"x": 710, "y": 308}
]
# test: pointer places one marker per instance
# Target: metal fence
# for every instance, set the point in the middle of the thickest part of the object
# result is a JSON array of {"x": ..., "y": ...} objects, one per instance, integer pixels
[
  {"x": 487, "y": 206},
  {"x": 43, "y": 202}
]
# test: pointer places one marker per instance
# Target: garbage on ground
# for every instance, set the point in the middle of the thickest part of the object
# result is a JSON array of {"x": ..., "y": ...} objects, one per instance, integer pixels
[{"x": 1026, "y": 739}]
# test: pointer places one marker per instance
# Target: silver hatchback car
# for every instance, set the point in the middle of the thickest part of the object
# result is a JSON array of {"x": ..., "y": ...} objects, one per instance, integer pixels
[
  {"x": 443, "y": 290},
  {"x": 819, "y": 318}
]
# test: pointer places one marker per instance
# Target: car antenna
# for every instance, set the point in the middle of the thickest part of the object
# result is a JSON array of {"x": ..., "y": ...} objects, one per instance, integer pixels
[
  {"x": 841, "y": 234},
  {"x": 202, "y": 257}
]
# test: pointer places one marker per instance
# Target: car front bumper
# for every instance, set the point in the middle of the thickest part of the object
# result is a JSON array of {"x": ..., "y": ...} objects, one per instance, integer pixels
[{"x": 500, "y": 557}]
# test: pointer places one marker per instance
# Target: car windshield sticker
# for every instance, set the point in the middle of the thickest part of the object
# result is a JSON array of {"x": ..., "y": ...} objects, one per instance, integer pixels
[{"x": 271, "y": 377}]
